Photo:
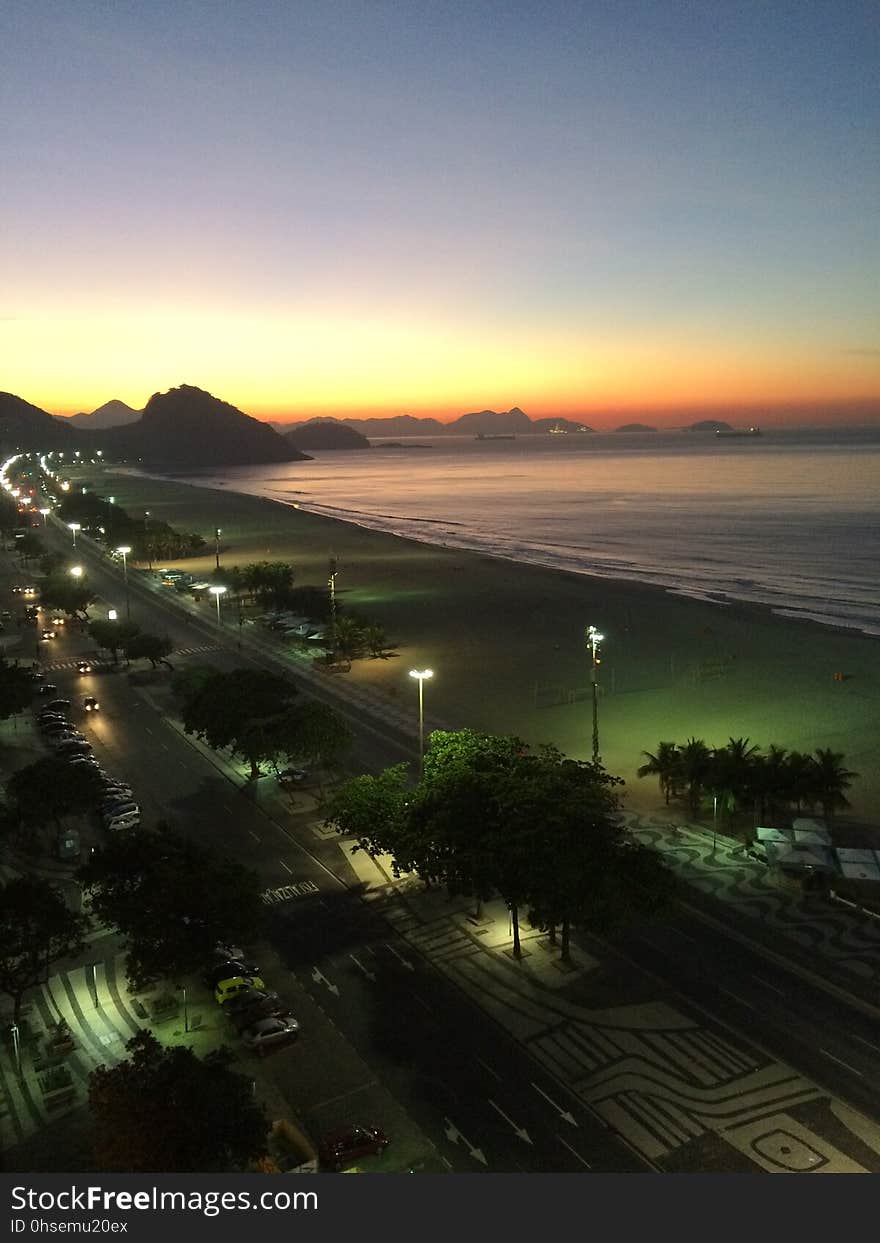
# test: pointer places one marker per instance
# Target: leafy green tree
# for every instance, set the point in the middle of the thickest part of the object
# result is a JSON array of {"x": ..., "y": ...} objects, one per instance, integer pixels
[
  {"x": 36, "y": 929},
  {"x": 666, "y": 766},
  {"x": 240, "y": 709},
  {"x": 16, "y": 690},
  {"x": 113, "y": 636},
  {"x": 171, "y": 901},
  {"x": 30, "y": 547},
  {"x": 348, "y": 637},
  {"x": 60, "y": 590},
  {"x": 377, "y": 641},
  {"x": 314, "y": 733},
  {"x": 152, "y": 647},
  {"x": 373, "y": 810},
  {"x": 163, "y": 1110},
  {"x": 732, "y": 773}
]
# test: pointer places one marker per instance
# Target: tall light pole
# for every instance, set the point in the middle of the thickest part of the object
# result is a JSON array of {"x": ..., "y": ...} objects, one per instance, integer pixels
[
  {"x": 217, "y": 547},
  {"x": 331, "y": 583},
  {"x": 217, "y": 592},
  {"x": 124, "y": 549},
  {"x": 593, "y": 641},
  {"x": 74, "y": 526},
  {"x": 420, "y": 675}
]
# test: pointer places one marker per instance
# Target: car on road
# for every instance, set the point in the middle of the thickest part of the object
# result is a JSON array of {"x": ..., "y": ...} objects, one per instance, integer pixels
[
  {"x": 127, "y": 820},
  {"x": 111, "y": 807},
  {"x": 47, "y": 635},
  {"x": 225, "y": 989},
  {"x": 58, "y": 620},
  {"x": 90, "y": 703},
  {"x": 228, "y": 970},
  {"x": 294, "y": 775},
  {"x": 267, "y": 1034},
  {"x": 47, "y": 719},
  {"x": 48, "y": 688},
  {"x": 73, "y": 746},
  {"x": 341, "y": 1147},
  {"x": 83, "y": 666}
]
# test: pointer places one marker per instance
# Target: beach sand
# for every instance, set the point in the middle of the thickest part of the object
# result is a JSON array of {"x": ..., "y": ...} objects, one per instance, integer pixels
[{"x": 506, "y": 643}]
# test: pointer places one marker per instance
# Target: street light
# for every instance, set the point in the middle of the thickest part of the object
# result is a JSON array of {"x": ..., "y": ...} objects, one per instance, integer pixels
[
  {"x": 74, "y": 526},
  {"x": 593, "y": 641},
  {"x": 217, "y": 592},
  {"x": 76, "y": 571},
  {"x": 125, "y": 550},
  {"x": 45, "y": 513},
  {"x": 112, "y": 615},
  {"x": 420, "y": 675},
  {"x": 217, "y": 547}
]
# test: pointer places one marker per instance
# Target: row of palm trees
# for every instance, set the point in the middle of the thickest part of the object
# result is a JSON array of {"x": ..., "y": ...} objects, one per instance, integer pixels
[{"x": 741, "y": 776}]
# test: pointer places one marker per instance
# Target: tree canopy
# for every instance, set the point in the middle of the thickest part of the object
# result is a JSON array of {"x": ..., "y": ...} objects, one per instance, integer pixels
[
  {"x": 36, "y": 929},
  {"x": 164, "y": 1110},
  {"x": 114, "y": 636},
  {"x": 171, "y": 901},
  {"x": 50, "y": 789},
  {"x": 16, "y": 690},
  {"x": 60, "y": 590}
]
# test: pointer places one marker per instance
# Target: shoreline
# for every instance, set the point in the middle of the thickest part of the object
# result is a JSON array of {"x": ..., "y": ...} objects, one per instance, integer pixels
[{"x": 505, "y": 639}]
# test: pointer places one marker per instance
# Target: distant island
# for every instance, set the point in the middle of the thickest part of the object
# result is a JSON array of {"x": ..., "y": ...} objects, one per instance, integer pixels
[
  {"x": 482, "y": 423},
  {"x": 325, "y": 434},
  {"x": 709, "y": 425}
]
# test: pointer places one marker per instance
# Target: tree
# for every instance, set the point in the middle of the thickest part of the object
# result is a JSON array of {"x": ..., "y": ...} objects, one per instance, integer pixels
[
  {"x": 666, "y": 765},
  {"x": 314, "y": 733},
  {"x": 696, "y": 762},
  {"x": 349, "y": 637},
  {"x": 831, "y": 781},
  {"x": 114, "y": 636},
  {"x": 30, "y": 547},
  {"x": 152, "y": 647},
  {"x": 163, "y": 1110},
  {"x": 50, "y": 789},
  {"x": 373, "y": 810},
  {"x": 16, "y": 690},
  {"x": 732, "y": 772},
  {"x": 376, "y": 641},
  {"x": 73, "y": 596},
  {"x": 240, "y": 709},
  {"x": 171, "y": 901},
  {"x": 36, "y": 929}
]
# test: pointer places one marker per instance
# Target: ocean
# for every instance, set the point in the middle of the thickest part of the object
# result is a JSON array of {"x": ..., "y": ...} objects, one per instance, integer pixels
[{"x": 790, "y": 520}]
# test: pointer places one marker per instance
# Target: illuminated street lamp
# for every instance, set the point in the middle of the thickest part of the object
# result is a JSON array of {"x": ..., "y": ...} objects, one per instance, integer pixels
[
  {"x": 420, "y": 675},
  {"x": 217, "y": 547},
  {"x": 124, "y": 549},
  {"x": 217, "y": 592},
  {"x": 76, "y": 571},
  {"x": 74, "y": 526},
  {"x": 112, "y": 615},
  {"x": 593, "y": 641},
  {"x": 45, "y": 513}
]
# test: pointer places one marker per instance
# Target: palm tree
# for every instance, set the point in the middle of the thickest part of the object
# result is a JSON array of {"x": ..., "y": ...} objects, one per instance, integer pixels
[
  {"x": 800, "y": 780},
  {"x": 770, "y": 778},
  {"x": 696, "y": 767},
  {"x": 349, "y": 636},
  {"x": 733, "y": 771},
  {"x": 830, "y": 781},
  {"x": 666, "y": 765}
]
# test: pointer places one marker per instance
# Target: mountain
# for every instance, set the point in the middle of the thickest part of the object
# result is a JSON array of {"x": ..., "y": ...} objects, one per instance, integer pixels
[
  {"x": 558, "y": 425},
  {"x": 187, "y": 427},
  {"x": 491, "y": 423},
  {"x": 709, "y": 425},
  {"x": 397, "y": 425},
  {"x": 325, "y": 434},
  {"x": 635, "y": 427},
  {"x": 111, "y": 414},
  {"x": 23, "y": 426}
]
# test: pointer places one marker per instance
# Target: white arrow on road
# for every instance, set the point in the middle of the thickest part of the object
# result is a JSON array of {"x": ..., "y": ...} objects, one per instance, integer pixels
[
  {"x": 360, "y": 966},
  {"x": 563, "y": 1113},
  {"x": 518, "y": 1130},
  {"x": 403, "y": 961},
  {"x": 453, "y": 1134},
  {"x": 322, "y": 979}
]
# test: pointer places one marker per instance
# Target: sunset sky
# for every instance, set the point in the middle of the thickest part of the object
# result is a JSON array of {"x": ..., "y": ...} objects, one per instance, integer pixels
[{"x": 428, "y": 208}]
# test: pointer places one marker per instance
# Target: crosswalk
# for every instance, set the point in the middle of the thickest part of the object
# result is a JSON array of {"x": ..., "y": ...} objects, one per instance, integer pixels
[{"x": 61, "y": 665}]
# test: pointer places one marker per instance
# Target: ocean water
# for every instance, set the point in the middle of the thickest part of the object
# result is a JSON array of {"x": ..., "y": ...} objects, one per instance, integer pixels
[{"x": 790, "y": 520}]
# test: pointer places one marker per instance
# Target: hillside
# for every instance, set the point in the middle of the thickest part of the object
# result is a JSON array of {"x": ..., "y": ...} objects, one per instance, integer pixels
[
  {"x": 23, "y": 426},
  {"x": 188, "y": 427},
  {"x": 112, "y": 414},
  {"x": 709, "y": 425},
  {"x": 325, "y": 434}
]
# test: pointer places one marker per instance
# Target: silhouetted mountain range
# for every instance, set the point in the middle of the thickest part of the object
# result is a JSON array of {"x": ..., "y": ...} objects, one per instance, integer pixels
[
  {"x": 635, "y": 427},
  {"x": 480, "y": 423},
  {"x": 709, "y": 425},
  {"x": 112, "y": 414},
  {"x": 183, "y": 428},
  {"x": 325, "y": 434}
]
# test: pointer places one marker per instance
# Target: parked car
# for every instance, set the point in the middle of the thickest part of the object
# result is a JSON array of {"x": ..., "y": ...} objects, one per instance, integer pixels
[
  {"x": 269, "y": 1034},
  {"x": 48, "y": 688},
  {"x": 127, "y": 820},
  {"x": 342, "y": 1147},
  {"x": 292, "y": 775},
  {"x": 224, "y": 989},
  {"x": 47, "y": 635},
  {"x": 75, "y": 745},
  {"x": 58, "y": 621},
  {"x": 90, "y": 703},
  {"x": 228, "y": 970},
  {"x": 58, "y": 705},
  {"x": 262, "y": 1006},
  {"x": 226, "y": 951}
]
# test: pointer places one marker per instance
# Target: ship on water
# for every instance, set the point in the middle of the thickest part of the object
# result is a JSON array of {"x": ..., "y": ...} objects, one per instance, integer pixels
[{"x": 732, "y": 433}]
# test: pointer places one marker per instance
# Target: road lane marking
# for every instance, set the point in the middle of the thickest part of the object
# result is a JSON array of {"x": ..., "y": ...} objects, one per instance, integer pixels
[
  {"x": 486, "y": 1066},
  {"x": 735, "y": 997},
  {"x": 288, "y": 870},
  {"x": 862, "y": 1040},
  {"x": 759, "y": 979},
  {"x": 254, "y": 835},
  {"x": 841, "y": 1062},
  {"x": 574, "y": 1152}
]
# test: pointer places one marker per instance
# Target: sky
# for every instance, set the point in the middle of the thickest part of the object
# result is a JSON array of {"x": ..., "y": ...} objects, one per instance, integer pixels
[{"x": 585, "y": 209}]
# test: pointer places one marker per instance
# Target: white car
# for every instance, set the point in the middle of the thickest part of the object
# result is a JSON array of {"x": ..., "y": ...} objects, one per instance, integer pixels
[{"x": 270, "y": 1034}]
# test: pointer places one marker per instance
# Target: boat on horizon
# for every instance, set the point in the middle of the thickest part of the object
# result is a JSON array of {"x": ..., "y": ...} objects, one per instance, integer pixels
[{"x": 730, "y": 433}]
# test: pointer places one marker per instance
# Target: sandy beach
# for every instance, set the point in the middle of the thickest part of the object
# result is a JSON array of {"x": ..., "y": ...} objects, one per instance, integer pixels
[{"x": 506, "y": 643}]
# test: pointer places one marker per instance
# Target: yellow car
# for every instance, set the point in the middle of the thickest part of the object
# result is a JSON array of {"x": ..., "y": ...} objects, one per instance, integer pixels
[{"x": 227, "y": 989}]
